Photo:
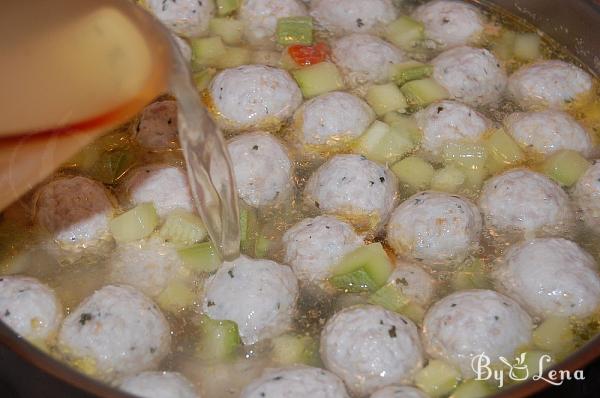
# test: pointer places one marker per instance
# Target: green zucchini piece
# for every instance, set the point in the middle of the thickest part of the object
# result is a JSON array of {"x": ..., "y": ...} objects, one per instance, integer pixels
[
  {"x": 294, "y": 30},
  {"x": 554, "y": 335},
  {"x": 409, "y": 71},
  {"x": 228, "y": 29},
  {"x": 503, "y": 151},
  {"x": 565, "y": 167},
  {"x": 318, "y": 79},
  {"x": 406, "y": 125},
  {"x": 527, "y": 46},
  {"x": 472, "y": 275},
  {"x": 183, "y": 227},
  {"x": 389, "y": 297},
  {"x": 386, "y": 98},
  {"x": 226, "y": 7},
  {"x": 234, "y": 57},
  {"x": 372, "y": 259},
  {"x": 467, "y": 156},
  {"x": 405, "y": 32},
  {"x": 262, "y": 246},
  {"x": 448, "y": 179},
  {"x": 474, "y": 389},
  {"x": 422, "y": 92},
  {"x": 357, "y": 281},
  {"x": 289, "y": 349},
  {"x": 248, "y": 229},
  {"x": 504, "y": 47},
  {"x": 112, "y": 165},
  {"x": 413, "y": 172},
  {"x": 207, "y": 51},
  {"x": 383, "y": 144},
  {"x": 134, "y": 224},
  {"x": 177, "y": 296},
  {"x": 200, "y": 258},
  {"x": 413, "y": 311},
  {"x": 437, "y": 379},
  {"x": 219, "y": 340}
]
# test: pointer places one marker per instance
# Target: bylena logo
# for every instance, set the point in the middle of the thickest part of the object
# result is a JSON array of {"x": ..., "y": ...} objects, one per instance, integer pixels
[{"x": 521, "y": 369}]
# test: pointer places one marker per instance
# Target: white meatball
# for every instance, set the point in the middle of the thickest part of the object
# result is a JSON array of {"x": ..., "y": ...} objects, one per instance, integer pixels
[
  {"x": 471, "y": 322},
  {"x": 548, "y": 83},
  {"x": 164, "y": 186},
  {"x": 314, "y": 245},
  {"x": 159, "y": 385},
  {"x": 355, "y": 188},
  {"x": 332, "y": 119},
  {"x": 471, "y": 75},
  {"x": 117, "y": 331},
  {"x": 450, "y": 23},
  {"x": 149, "y": 265},
  {"x": 399, "y": 392},
  {"x": 550, "y": 277},
  {"x": 524, "y": 201},
  {"x": 29, "y": 307},
  {"x": 187, "y": 18},
  {"x": 260, "y": 17},
  {"x": 296, "y": 382},
  {"x": 259, "y": 295},
  {"x": 370, "y": 347},
  {"x": 364, "y": 58},
  {"x": 548, "y": 131},
  {"x": 254, "y": 96},
  {"x": 262, "y": 168},
  {"x": 414, "y": 282},
  {"x": 445, "y": 122},
  {"x": 76, "y": 210},
  {"x": 348, "y": 16},
  {"x": 157, "y": 128},
  {"x": 587, "y": 197},
  {"x": 436, "y": 228}
]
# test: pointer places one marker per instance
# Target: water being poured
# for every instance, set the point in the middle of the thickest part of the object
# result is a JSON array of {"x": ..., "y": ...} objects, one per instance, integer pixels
[
  {"x": 208, "y": 163},
  {"x": 71, "y": 70}
]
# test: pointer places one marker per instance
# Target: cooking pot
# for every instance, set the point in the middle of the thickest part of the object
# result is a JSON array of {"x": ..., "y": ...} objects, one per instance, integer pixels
[{"x": 27, "y": 372}]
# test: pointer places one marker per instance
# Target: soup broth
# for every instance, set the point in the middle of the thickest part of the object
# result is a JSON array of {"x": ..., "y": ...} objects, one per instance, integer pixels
[{"x": 74, "y": 273}]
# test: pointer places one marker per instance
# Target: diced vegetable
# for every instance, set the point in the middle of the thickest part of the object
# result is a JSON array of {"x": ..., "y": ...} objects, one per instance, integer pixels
[
  {"x": 554, "y": 335},
  {"x": 112, "y": 165},
  {"x": 226, "y": 7},
  {"x": 405, "y": 125},
  {"x": 415, "y": 312},
  {"x": 134, "y": 224},
  {"x": 177, "y": 296},
  {"x": 248, "y": 229},
  {"x": 437, "y": 379},
  {"x": 200, "y": 258},
  {"x": 234, "y": 57},
  {"x": 420, "y": 93},
  {"x": 471, "y": 275},
  {"x": 219, "y": 340},
  {"x": 504, "y": 47},
  {"x": 203, "y": 78},
  {"x": 383, "y": 144},
  {"x": 308, "y": 55},
  {"x": 503, "y": 151},
  {"x": 386, "y": 98},
  {"x": 289, "y": 349},
  {"x": 527, "y": 46},
  {"x": 528, "y": 364},
  {"x": 229, "y": 29},
  {"x": 183, "y": 227},
  {"x": 389, "y": 297},
  {"x": 263, "y": 246},
  {"x": 295, "y": 30},
  {"x": 318, "y": 79},
  {"x": 473, "y": 389},
  {"x": 405, "y": 32},
  {"x": 465, "y": 155},
  {"x": 207, "y": 51},
  {"x": 409, "y": 71},
  {"x": 371, "y": 258},
  {"x": 448, "y": 179},
  {"x": 354, "y": 282},
  {"x": 565, "y": 167},
  {"x": 414, "y": 172}
]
